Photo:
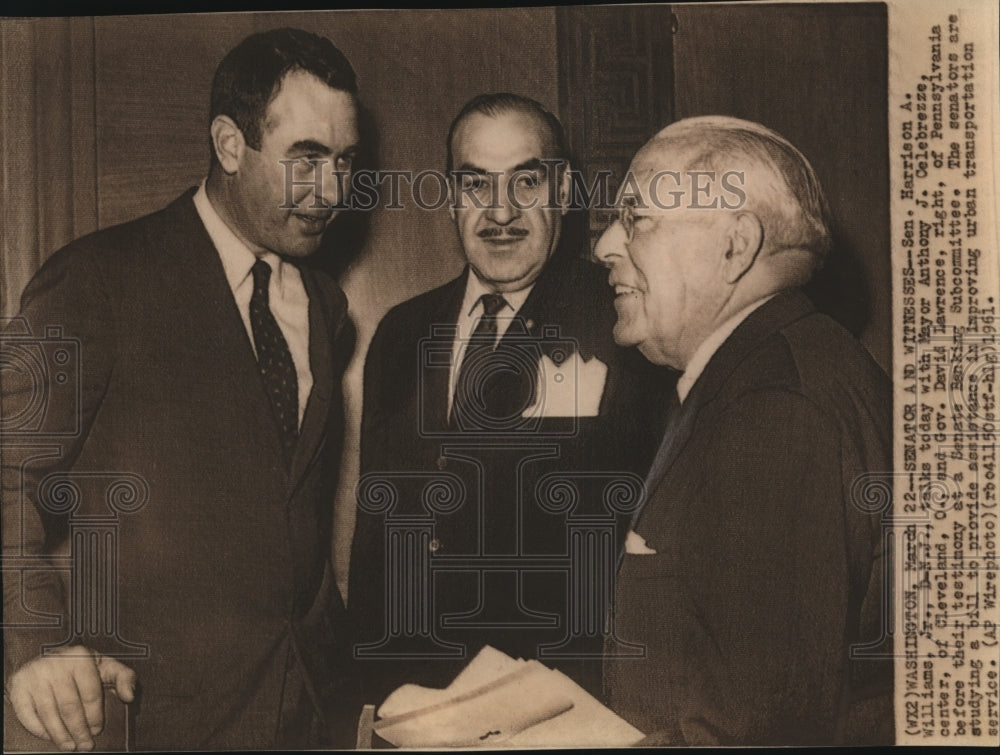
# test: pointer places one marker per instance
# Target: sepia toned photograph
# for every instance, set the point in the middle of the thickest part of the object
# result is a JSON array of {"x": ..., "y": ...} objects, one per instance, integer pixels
[{"x": 564, "y": 376}]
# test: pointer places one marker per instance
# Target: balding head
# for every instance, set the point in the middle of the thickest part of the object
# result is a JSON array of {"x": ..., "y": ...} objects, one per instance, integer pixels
[
  {"x": 715, "y": 215},
  {"x": 780, "y": 186}
]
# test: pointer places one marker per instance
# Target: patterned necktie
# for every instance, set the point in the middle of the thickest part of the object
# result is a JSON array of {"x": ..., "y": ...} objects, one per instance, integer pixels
[
  {"x": 274, "y": 359},
  {"x": 468, "y": 408}
]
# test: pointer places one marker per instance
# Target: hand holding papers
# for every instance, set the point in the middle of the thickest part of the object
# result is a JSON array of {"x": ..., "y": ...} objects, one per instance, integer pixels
[{"x": 499, "y": 701}]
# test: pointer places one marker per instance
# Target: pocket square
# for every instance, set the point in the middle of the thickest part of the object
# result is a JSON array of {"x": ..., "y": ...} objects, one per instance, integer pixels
[
  {"x": 572, "y": 388},
  {"x": 636, "y": 544}
]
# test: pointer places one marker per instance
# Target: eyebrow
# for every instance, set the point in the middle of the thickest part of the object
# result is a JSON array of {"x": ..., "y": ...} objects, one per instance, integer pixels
[
  {"x": 468, "y": 168},
  {"x": 533, "y": 164},
  {"x": 310, "y": 146}
]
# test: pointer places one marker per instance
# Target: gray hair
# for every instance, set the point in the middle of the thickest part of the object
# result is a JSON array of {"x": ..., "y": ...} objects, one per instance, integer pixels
[
  {"x": 789, "y": 200},
  {"x": 499, "y": 103}
]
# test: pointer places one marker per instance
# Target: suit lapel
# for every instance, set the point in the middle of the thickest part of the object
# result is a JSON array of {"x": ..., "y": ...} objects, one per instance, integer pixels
[
  {"x": 783, "y": 309},
  {"x": 206, "y": 294},
  {"x": 442, "y": 317},
  {"x": 197, "y": 286},
  {"x": 202, "y": 290},
  {"x": 680, "y": 424},
  {"x": 317, "y": 410},
  {"x": 545, "y": 304}
]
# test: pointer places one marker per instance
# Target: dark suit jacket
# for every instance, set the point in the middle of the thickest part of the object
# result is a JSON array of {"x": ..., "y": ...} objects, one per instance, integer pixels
[
  {"x": 768, "y": 565},
  {"x": 507, "y": 496},
  {"x": 223, "y": 573}
]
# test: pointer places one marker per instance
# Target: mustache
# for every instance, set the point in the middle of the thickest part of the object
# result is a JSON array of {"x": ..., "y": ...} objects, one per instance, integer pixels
[{"x": 491, "y": 232}]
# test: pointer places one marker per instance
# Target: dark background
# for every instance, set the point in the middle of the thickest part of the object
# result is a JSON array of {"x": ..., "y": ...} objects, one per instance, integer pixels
[{"x": 106, "y": 118}]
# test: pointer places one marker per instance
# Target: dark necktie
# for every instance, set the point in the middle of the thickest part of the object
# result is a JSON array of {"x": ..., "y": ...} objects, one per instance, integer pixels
[
  {"x": 674, "y": 423},
  {"x": 274, "y": 359},
  {"x": 468, "y": 408}
]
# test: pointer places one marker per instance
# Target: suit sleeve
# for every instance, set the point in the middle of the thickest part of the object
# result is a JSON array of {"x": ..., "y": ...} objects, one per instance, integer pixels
[
  {"x": 743, "y": 607},
  {"x": 58, "y": 357},
  {"x": 324, "y": 636},
  {"x": 366, "y": 578}
]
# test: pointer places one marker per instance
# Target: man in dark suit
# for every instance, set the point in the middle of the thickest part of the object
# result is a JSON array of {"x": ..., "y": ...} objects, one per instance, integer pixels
[
  {"x": 753, "y": 574},
  {"x": 500, "y": 423},
  {"x": 206, "y": 427}
]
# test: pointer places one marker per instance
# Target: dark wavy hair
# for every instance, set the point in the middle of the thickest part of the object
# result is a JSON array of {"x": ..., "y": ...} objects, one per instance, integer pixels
[
  {"x": 498, "y": 103},
  {"x": 250, "y": 75}
]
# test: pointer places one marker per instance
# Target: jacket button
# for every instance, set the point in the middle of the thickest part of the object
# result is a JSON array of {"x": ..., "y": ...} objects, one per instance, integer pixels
[
  {"x": 442, "y": 462},
  {"x": 434, "y": 545}
]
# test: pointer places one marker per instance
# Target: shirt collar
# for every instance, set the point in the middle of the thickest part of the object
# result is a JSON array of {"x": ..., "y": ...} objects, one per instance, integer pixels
[
  {"x": 475, "y": 288},
  {"x": 704, "y": 353},
  {"x": 237, "y": 257}
]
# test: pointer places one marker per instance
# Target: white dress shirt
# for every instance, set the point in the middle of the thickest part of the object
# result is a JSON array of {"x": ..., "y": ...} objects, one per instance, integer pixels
[
  {"x": 468, "y": 317},
  {"x": 286, "y": 293},
  {"x": 704, "y": 353}
]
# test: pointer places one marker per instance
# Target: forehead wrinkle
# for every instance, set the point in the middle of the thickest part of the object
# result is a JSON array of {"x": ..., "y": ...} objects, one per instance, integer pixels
[
  {"x": 525, "y": 128},
  {"x": 641, "y": 172}
]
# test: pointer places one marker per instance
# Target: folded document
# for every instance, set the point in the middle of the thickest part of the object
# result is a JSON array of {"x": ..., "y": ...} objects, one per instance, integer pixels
[{"x": 497, "y": 701}]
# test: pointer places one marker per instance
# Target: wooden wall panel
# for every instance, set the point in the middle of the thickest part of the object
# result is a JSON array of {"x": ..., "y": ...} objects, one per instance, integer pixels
[
  {"x": 46, "y": 144},
  {"x": 616, "y": 87},
  {"x": 19, "y": 216},
  {"x": 65, "y": 131},
  {"x": 817, "y": 75},
  {"x": 153, "y": 76}
]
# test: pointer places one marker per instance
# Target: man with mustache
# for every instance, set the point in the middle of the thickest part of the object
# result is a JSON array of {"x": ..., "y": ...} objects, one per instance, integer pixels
[
  {"x": 208, "y": 384},
  {"x": 753, "y": 572},
  {"x": 498, "y": 416}
]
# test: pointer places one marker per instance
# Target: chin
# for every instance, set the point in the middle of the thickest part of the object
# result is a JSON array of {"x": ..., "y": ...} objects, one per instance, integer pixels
[
  {"x": 300, "y": 253},
  {"x": 504, "y": 278},
  {"x": 657, "y": 357},
  {"x": 622, "y": 336},
  {"x": 299, "y": 250}
]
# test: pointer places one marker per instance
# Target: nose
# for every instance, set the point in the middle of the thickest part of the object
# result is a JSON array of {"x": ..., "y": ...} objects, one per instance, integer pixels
[
  {"x": 611, "y": 246},
  {"x": 335, "y": 186},
  {"x": 504, "y": 210}
]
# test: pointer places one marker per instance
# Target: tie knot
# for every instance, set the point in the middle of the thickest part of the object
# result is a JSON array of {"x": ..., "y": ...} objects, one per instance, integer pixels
[
  {"x": 261, "y": 274},
  {"x": 492, "y": 304}
]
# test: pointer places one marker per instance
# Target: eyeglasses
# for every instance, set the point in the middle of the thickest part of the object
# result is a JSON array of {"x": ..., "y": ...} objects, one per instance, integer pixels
[{"x": 627, "y": 216}]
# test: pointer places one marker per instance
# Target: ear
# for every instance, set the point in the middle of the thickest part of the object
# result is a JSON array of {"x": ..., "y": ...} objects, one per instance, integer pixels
[
  {"x": 451, "y": 197},
  {"x": 746, "y": 237},
  {"x": 564, "y": 187},
  {"x": 228, "y": 143}
]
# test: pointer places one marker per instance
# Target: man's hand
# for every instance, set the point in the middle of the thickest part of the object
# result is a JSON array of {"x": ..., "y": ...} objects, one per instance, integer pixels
[{"x": 60, "y": 696}]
